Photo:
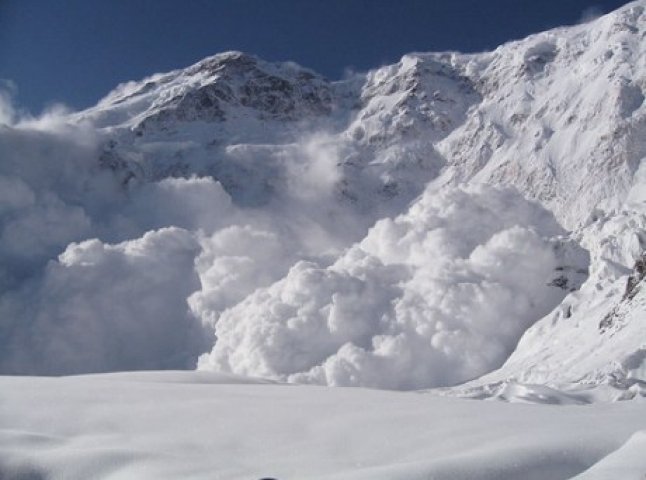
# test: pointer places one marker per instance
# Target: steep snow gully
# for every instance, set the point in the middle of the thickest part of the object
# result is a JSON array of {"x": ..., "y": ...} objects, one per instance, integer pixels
[{"x": 451, "y": 218}]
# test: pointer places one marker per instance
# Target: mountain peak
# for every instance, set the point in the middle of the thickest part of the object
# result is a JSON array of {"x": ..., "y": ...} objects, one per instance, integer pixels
[{"x": 233, "y": 59}]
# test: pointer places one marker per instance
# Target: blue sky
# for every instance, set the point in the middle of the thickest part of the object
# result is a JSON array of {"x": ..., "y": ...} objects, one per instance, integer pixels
[{"x": 75, "y": 51}]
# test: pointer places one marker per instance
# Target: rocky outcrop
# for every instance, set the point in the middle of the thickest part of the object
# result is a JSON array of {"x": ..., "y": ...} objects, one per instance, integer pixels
[{"x": 639, "y": 272}]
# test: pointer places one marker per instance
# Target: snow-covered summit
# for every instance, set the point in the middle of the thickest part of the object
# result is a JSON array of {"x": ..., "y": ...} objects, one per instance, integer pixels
[
  {"x": 560, "y": 115},
  {"x": 211, "y": 88}
]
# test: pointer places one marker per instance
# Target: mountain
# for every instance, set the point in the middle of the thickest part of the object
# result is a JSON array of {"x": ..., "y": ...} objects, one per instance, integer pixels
[
  {"x": 558, "y": 115},
  {"x": 449, "y": 218}
]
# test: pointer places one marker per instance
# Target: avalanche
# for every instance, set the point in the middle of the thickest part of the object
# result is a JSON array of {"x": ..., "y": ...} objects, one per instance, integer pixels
[
  {"x": 473, "y": 225},
  {"x": 316, "y": 231}
]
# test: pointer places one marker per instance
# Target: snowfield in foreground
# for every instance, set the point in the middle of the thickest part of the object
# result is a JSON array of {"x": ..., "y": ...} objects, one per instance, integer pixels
[{"x": 170, "y": 425}]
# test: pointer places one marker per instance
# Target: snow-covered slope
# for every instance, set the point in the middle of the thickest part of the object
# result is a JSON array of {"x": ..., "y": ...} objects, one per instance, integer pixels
[
  {"x": 559, "y": 115},
  {"x": 279, "y": 224},
  {"x": 171, "y": 425},
  {"x": 597, "y": 336},
  {"x": 563, "y": 116}
]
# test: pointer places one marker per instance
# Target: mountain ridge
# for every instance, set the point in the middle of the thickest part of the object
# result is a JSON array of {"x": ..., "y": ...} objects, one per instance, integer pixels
[{"x": 451, "y": 105}]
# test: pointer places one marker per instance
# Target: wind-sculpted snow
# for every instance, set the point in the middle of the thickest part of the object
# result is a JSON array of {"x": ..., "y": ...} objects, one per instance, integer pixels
[{"x": 434, "y": 297}]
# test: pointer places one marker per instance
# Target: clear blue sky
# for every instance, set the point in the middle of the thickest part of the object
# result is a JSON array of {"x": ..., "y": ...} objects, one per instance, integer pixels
[{"x": 75, "y": 51}]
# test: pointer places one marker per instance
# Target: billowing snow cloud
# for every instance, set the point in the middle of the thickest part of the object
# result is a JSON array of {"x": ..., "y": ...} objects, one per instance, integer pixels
[
  {"x": 434, "y": 297},
  {"x": 234, "y": 262},
  {"x": 108, "y": 307},
  {"x": 97, "y": 274},
  {"x": 49, "y": 193},
  {"x": 71, "y": 303}
]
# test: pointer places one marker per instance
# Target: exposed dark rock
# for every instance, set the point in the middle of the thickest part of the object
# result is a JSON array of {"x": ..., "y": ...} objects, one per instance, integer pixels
[
  {"x": 242, "y": 80},
  {"x": 633, "y": 285},
  {"x": 639, "y": 272},
  {"x": 561, "y": 282}
]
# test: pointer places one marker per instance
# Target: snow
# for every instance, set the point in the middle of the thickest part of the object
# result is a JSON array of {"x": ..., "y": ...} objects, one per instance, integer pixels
[
  {"x": 210, "y": 426},
  {"x": 597, "y": 335},
  {"x": 472, "y": 225},
  {"x": 627, "y": 461},
  {"x": 110, "y": 307},
  {"x": 434, "y": 297},
  {"x": 567, "y": 130},
  {"x": 419, "y": 225}
]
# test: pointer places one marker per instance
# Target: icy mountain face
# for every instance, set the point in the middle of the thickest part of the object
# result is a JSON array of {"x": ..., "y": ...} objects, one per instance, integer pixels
[
  {"x": 355, "y": 232},
  {"x": 222, "y": 88},
  {"x": 563, "y": 116},
  {"x": 559, "y": 115},
  {"x": 225, "y": 116},
  {"x": 242, "y": 120},
  {"x": 421, "y": 96}
]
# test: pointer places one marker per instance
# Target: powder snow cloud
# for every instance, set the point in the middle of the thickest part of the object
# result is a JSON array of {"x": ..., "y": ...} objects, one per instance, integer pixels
[
  {"x": 99, "y": 274},
  {"x": 434, "y": 297}
]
